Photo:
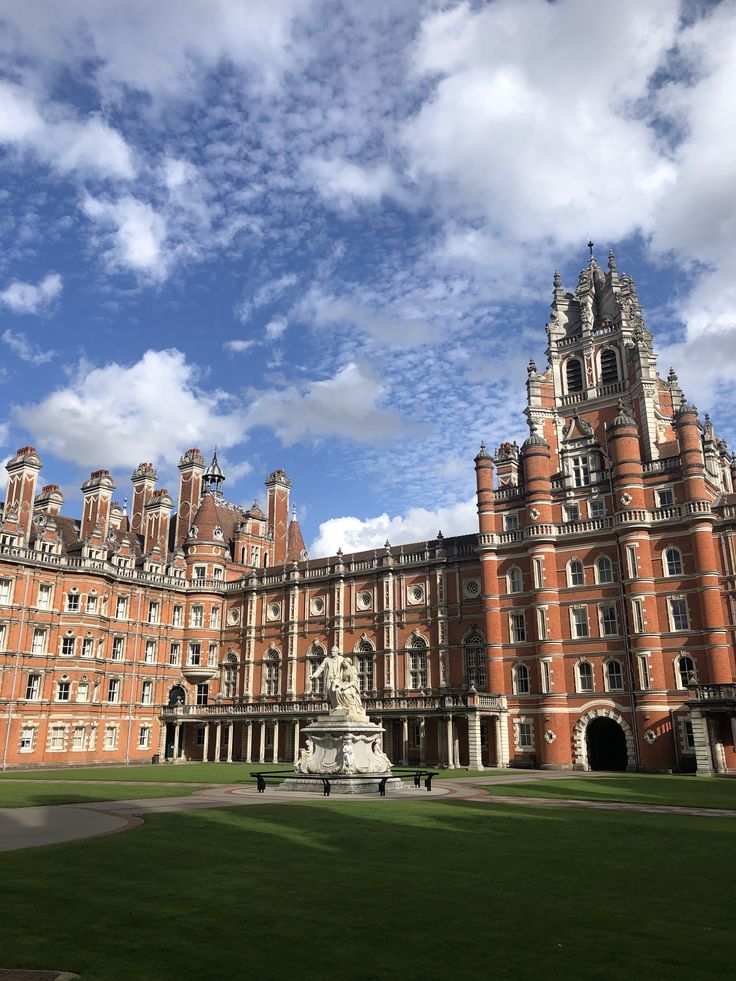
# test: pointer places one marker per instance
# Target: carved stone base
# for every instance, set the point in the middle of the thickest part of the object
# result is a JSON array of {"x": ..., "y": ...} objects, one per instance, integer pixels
[
  {"x": 345, "y": 785},
  {"x": 341, "y": 745}
]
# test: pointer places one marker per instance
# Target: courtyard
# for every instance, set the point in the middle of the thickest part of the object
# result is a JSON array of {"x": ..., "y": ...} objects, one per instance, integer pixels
[{"x": 454, "y": 882}]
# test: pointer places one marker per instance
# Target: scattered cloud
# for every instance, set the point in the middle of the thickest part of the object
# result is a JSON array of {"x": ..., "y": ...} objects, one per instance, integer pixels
[
  {"x": 348, "y": 183},
  {"x": 26, "y": 350},
  {"x": 237, "y": 346},
  {"x": 68, "y": 144},
  {"x": 133, "y": 232},
  {"x": 344, "y": 406},
  {"x": 4, "y": 434},
  {"x": 119, "y": 414},
  {"x": 275, "y": 328},
  {"x": 353, "y": 534},
  {"x": 23, "y": 297}
]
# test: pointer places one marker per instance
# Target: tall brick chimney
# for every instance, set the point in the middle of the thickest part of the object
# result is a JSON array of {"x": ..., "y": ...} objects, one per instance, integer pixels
[
  {"x": 22, "y": 477},
  {"x": 144, "y": 481},
  {"x": 97, "y": 493}
]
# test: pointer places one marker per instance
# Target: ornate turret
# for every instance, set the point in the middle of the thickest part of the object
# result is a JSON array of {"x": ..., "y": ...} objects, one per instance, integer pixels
[{"x": 212, "y": 478}]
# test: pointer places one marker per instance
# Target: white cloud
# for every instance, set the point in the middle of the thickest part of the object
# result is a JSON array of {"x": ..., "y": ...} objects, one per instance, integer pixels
[
  {"x": 346, "y": 182},
  {"x": 26, "y": 350},
  {"x": 394, "y": 326},
  {"x": 23, "y": 297},
  {"x": 4, "y": 435},
  {"x": 134, "y": 231},
  {"x": 265, "y": 294},
  {"x": 344, "y": 406},
  {"x": 529, "y": 125},
  {"x": 418, "y": 524},
  {"x": 238, "y": 346},
  {"x": 66, "y": 143},
  {"x": 158, "y": 48},
  {"x": 117, "y": 415},
  {"x": 275, "y": 328}
]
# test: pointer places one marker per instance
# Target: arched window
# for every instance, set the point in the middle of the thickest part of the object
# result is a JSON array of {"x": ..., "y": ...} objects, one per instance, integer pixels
[
  {"x": 575, "y": 573},
  {"x": 177, "y": 696},
  {"x": 614, "y": 675},
  {"x": 685, "y": 670},
  {"x": 315, "y": 657},
  {"x": 574, "y": 375},
  {"x": 230, "y": 676},
  {"x": 271, "y": 664},
  {"x": 418, "y": 663},
  {"x": 604, "y": 569},
  {"x": 673, "y": 562},
  {"x": 515, "y": 580},
  {"x": 521, "y": 679},
  {"x": 366, "y": 665},
  {"x": 585, "y": 676},
  {"x": 474, "y": 657},
  {"x": 609, "y": 367}
]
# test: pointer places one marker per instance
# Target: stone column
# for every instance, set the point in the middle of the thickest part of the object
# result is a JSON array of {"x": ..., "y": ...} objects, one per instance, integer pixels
[
  {"x": 296, "y": 741},
  {"x": 218, "y": 740},
  {"x": 177, "y": 739},
  {"x": 502, "y": 740},
  {"x": 206, "y": 744},
  {"x": 701, "y": 738},
  {"x": 262, "y": 747},
  {"x": 404, "y": 741},
  {"x": 422, "y": 741},
  {"x": 475, "y": 754},
  {"x": 229, "y": 742},
  {"x": 450, "y": 742},
  {"x": 275, "y": 742},
  {"x": 249, "y": 742}
]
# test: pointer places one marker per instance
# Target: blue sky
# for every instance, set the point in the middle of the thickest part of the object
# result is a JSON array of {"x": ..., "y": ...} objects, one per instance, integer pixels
[{"x": 321, "y": 235}]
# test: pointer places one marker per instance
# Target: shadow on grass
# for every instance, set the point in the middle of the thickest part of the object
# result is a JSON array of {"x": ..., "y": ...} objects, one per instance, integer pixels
[{"x": 385, "y": 889}]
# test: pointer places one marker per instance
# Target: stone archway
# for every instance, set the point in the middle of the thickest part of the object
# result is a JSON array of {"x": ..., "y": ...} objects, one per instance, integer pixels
[
  {"x": 606, "y": 745},
  {"x": 606, "y": 742}
]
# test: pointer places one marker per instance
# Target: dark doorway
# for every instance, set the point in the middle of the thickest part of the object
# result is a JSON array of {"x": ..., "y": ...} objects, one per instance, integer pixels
[{"x": 606, "y": 745}]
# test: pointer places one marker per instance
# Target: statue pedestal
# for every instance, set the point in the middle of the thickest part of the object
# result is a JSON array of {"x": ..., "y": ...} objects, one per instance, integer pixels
[{"x": 345, "y": 746}]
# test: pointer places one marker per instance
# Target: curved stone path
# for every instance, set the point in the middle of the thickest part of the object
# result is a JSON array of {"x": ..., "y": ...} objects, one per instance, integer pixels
[{"x": 29, "y": 827}]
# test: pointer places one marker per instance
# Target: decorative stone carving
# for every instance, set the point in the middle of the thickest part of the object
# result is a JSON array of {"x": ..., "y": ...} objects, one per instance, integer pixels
[{"x": 550, "y": 736}]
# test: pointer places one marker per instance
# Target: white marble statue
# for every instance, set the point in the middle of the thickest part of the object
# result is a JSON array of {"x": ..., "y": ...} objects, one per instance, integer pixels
[{"x": 341, "y": 684}]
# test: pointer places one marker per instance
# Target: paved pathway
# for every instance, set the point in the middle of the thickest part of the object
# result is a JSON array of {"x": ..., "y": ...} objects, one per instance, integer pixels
[{"x": 28, "y": 827}]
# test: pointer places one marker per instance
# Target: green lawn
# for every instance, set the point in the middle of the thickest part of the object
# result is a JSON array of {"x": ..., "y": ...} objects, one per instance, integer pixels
[
  {"x": 632, "y": 788},
  {"x": 164, "y": 773},
  {"x": 382, "y": 889},
  {"x": 14, "y": 794}
]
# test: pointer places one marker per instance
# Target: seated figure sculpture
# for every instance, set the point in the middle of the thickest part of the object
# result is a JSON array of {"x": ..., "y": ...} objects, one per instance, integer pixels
[{"x": 341, "y": 684}]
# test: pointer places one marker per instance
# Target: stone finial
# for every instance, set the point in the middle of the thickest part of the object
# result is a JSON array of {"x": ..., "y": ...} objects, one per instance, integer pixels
[
  {"x": 556, "y": 280},
  {"x": 531, "y": 367},
  {"x": 611, "y": 260},
  {"x": 483, "y": 453},
  {"x": 671, "y": 376},
  {"x": 623, "y": 418}
]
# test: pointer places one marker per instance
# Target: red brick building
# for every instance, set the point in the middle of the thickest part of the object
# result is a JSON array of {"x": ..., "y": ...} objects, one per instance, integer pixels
[{"x": 588, "y": 623}]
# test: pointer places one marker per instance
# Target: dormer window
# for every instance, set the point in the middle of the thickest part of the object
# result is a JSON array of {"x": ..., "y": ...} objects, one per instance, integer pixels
[{"x": 574, "y": 375}]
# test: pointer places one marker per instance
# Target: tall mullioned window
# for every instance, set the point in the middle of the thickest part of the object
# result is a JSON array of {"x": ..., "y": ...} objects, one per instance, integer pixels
[
  {"x": 366, "y": 666},
  {"x": 418, "y": 664},
  {"x": 474, "y": 653}
]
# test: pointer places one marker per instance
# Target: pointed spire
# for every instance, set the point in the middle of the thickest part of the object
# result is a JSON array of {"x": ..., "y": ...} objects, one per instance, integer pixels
[{"x": 623, "y": 418}]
